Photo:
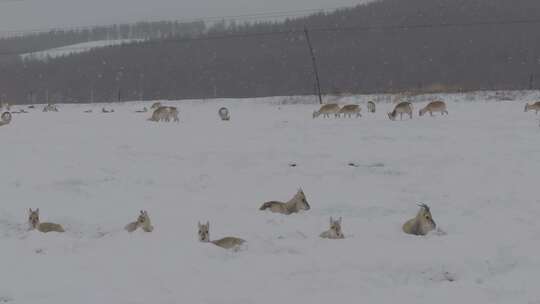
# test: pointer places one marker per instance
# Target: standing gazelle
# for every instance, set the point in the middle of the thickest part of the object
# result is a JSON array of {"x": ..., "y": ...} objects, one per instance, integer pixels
[
  {"x": 294, "y": 205},
  {"x": 335, "y": 230},
  {"x": 434, "y": 106},
  {"x": 533, "y": 107},
  {"x": 422, "y": 223},
  {"x": 326, "y": 110},
  {"x": 229, "y": 242},
  {"x": 371, "y": 107},
  {"x": 350, "y": 110},
  {"x": 401, "y": 108}
]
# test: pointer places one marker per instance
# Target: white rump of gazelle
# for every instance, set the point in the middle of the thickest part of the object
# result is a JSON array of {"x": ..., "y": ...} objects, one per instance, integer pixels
[
  {"x": 434, "y": 106},
  {"x": 533, "y": 107},
  {"x": 335, "y": 230},
  {"x": 224, "y": 114},
  {"x": 229, "y": 242},
  {"x": 326, "y": 110},
  {"x": 401, "y": 108},
  {"x": 5, "y": 118}
]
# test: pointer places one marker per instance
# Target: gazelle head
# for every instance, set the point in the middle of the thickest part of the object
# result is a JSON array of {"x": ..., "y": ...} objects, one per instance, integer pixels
[
  {"x": 421, "y": 112},
  {"x": 204, "y": 232},
  {"x": 301, "y": 201},
  {"x": 33, "y": 218},
  {"x": 392, "y": 115},
  {"x": 6, "y": 117},
  {"x": 316, "y": 114},
  {"x": 335, "y": 226}
]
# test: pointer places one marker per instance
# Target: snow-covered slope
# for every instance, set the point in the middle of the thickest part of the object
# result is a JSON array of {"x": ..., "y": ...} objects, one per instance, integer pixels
[
  {"x": 478, "y": 169},
  {"x": 75, "y": 49}
]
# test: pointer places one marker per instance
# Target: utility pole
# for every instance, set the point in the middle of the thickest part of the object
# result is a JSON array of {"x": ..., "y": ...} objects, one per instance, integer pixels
[{"x": 314, "y": 61}]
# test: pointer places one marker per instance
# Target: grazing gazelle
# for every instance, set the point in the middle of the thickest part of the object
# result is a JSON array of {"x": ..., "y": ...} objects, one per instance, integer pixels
[
  {"x": 224, "y": 114},
  {"x": 422, "y": 223},
  {"x": 229, "y": 242},
  {"x": 294, "y": 205},
  {"x": 33, "y": 220},
  {"x": 5, "y": 118},
  {"x": 142, "y": 221},
  {"x": 335, "y": 230},
  {"x": 401, "y": 108},
  {"x": 434, "y": 106},
  {"x": 350, "y": 110},
  {"x": 533, "y": 107},
  {"x": 371, "y": 107},
  {"x": 165, "y": 114},
  {"x": 326, "y": 110},
  {"x": 50, "y": 108}
]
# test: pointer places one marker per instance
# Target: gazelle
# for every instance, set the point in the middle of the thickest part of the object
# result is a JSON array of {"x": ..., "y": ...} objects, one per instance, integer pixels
[
  {"x": 5, "y": 118},
  {"x": 224, "y": 114},
  {"x": 422, "y": 223},
  {"x": 50, "y": 108},
  {"x": 349, "y": 110},
  {"x": 371, "y": 107},
  {"x": 142, "y": 221},
  {"x": 294, "y": 205},
  {"x": 33, "y": 220},
  {"x": 229, "y": 242},
  {"x": 533, "y": 107},
  {"x": 434, "y": 106},
  {"x": 335, "y": 230},
  {"x": 103, "y": 110},
  {"x": 165, "y": 114},
  {"x": 326, "y": 110},
  {"x": 401, "y": 108}
]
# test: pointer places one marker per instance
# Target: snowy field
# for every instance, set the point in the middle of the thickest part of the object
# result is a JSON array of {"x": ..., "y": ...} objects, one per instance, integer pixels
[{"x": 478, "y": 169}]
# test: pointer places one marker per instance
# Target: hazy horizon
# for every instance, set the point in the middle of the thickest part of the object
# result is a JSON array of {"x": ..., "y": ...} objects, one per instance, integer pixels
[{"x": 26, "y": 15}]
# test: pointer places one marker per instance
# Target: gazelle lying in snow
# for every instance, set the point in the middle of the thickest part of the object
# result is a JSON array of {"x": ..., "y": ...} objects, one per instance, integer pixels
[
  {"x": 371, "y": 107},
  {"x": 294, "y": 205},
  {"x": 326, "y": 110},
  {"x": 142, "y": 221},
  {"x": 229, "y": 242},
  {"x": 401, "y": 108},
  {"x": 335, "y": 230},
  {"x": 103, "y": 110},
  {"x": 422, "y": 223},
  {"x": 434, "y": 106},
  {"x": 224, "y": 114},
  {"x": 533, "y": 107},
  {"x": 5, "y": 118},
  {"x": 33, "y": 220},
  {"x": 350, "y": 110},
  {"x": 165, "y": 114}
]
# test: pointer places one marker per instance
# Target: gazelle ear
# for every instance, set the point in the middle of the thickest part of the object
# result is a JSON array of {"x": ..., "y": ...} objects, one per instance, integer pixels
[
  {"x": 37, "y": 210},
  {"x": 199, "y": 224},
  {"x": 208, "y": 224},
  {"x": 29, "y": 210}
]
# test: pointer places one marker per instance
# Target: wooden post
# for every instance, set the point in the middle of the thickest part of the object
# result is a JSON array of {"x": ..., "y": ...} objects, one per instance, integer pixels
[{"x": 315, "y": 70}]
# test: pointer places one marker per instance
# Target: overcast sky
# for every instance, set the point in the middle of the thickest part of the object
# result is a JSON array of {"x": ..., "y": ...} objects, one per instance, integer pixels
[{"x": 17, "y": 15}]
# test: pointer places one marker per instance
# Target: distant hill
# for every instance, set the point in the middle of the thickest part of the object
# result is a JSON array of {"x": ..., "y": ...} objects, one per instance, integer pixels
[{"x": 236, "y": 60}]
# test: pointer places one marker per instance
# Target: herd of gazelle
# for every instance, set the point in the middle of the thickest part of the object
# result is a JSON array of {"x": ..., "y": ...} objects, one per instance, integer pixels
[{"x": 421, "y": 224}]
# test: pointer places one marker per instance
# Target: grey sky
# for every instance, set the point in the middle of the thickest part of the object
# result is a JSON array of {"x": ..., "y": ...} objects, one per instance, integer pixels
[{"x": 16, "y": 15}]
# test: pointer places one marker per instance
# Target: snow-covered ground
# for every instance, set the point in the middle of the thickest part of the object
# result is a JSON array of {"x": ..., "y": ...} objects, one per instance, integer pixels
[
  {"x": 75, "y": 49},
  {"x": 478, "y": 169}
]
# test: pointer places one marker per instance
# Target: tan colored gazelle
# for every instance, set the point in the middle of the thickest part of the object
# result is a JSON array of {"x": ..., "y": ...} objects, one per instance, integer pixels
[
  {"x": 335, "y": 230},
  {"x": 350, "y": 110},
  {"x": 143, "y": 221},
  {"x": 434, "y": 106},
  {"x": 5, "y": 118},
  {"x": 294, "y": 205},
  {"x": 326, "y": 110},
  {"x": 401, "y": 108},
  {"x": 165, "y": 114},
  {"x": 533, "y": 107},
  {"x": 371, "y": 107},
  {"x": 229, "y": 242},
  {"x": 33, "y": 220},
  {"x": 422, "y": 223}
]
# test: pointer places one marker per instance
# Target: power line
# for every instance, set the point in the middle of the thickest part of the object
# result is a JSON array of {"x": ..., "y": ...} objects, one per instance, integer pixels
[
  {"x": 381, "y": 27},
  {"x": 208, "y": 19}
]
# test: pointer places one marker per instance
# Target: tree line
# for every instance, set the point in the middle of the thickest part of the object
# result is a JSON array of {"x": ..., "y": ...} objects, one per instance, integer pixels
[{"x": 355, "y": 55}]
